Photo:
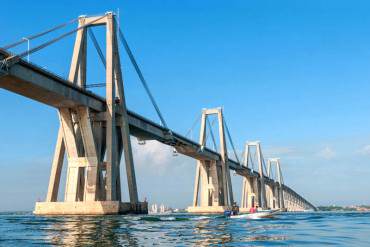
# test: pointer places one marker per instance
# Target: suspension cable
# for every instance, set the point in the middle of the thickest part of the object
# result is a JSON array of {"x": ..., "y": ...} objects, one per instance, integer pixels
[
  {"x": 37, "y": 48},
  {"x": 231, "y": 141},
  {"x": 97, "y": 46},
  {"x": 31, "y": 37},
  {"x": 141, "y": 76}
]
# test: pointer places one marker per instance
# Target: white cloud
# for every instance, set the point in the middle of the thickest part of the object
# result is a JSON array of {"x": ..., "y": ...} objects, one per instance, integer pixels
[
  {"x": 281, "y": 150},
  {"x": 156, "y": 156},
  {"x": 284, "y": 152},
  {"x": 365, "y": 150},
  {"x": 326, "y": 153}
]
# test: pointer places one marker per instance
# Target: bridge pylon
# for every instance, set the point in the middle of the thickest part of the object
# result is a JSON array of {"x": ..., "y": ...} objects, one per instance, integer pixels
[
  {"x": 254, "y": 190},
  {"x": 212, "y": 179},
  {"x": 93, "y": 142},
  {"x": 274, "y": 192}
]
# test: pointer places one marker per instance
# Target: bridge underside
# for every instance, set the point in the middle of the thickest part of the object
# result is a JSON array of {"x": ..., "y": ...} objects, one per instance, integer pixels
[{"x": 38, "y": 84}]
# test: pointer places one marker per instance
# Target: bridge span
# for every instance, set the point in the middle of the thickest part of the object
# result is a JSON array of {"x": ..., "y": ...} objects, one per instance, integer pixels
[{"x": 95, "y": 134}]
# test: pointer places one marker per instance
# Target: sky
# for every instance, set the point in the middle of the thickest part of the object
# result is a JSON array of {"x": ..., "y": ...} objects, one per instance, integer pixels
[{"x": 293, "y": 74}]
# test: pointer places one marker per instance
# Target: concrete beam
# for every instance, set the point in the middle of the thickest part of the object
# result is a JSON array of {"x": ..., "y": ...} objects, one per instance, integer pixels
[
  {"x": 35, "y": 83},
  {"x": 38, "y": 84}
]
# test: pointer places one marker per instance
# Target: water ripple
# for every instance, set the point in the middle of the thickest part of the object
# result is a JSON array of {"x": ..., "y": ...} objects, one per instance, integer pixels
[{"x": 289, "y": 229}]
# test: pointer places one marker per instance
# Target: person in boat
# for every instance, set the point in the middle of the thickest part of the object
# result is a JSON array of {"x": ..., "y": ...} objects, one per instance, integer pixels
[
  {"x": 253, "y": 209},
  {"x": 235, "y": 209}
]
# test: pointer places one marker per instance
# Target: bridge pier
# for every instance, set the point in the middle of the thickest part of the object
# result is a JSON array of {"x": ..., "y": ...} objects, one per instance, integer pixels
[
  {"x": 94, "y": 134},
  {"x": 254, "y": 188},
  {"x": 93, "y": 147},
  {"x": 295, "y": 203},
  {"x": 250, "y": 193},
  {"x": 212, "y": 179},
  {"x": 271, "y": 195},
  {"x": 275, "y": 189}
]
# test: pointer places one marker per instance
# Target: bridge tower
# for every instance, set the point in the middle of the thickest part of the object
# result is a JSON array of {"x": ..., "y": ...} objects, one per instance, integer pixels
[
  {"x": 93, "y": 142},
  {"x": 271, "y": 190},
  {"x": 212, "y": 177},
  {"x": 254, "y": 191},
  {"x": 274, "y": 192}
]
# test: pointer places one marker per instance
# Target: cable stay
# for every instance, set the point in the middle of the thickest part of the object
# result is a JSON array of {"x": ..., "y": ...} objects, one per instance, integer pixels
[
  {"x": 190, "y": 131},
  {"x": 263, "y": 164},
  {"x": 15, "y": 58},
  {"x": 243, "y": 158},
  {"x": 231, "y": 142},
  {"x": 97, "y": 46},
  {"x": 101, "y": 56},
  {"x": 211, "y": 132},
  {"x": 271, "y": 173},
  {"x": 141, "y": 76},
  {"x": 46, "y": 44},
  {"x": 253, "y": 164},
  {"x": 208, "y": 132},
  {"x": 32, "y": 37}
]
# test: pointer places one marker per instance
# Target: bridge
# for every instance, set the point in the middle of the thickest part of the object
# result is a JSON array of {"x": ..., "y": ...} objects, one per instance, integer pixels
[{"x": 94, "y": 136}]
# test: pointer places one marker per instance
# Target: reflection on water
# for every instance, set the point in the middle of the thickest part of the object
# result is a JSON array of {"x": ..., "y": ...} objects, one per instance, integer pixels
[
  {"x": 24, "y": 229},
  {"x": 212, "y": 231},
  {"x": 73, "y": 231}
]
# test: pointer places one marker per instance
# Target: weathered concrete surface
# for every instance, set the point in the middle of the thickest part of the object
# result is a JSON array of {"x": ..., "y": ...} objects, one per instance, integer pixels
[{"x": 90, "y": 208}]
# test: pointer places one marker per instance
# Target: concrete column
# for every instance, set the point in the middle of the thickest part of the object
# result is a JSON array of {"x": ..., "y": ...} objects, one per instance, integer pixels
[
  {"x": 92, "y": 162},
  {"x": 94, "y": 148},
  {"x": 277, "y": 198},
  {"x": 212, "y": 179},
  {"x": 56, "y": 169},
  {"x": 111, "y": 142},
  {"x": 227, "y": 186},
  {"x": 249, "y": 192},
  {"x": 246, "y": 189},
  {"x": 269, "y": 196},
  {"x": 261, "y": 178},
  {"x": 71, "y": 146},
  {"x": 125, "y": 131}
]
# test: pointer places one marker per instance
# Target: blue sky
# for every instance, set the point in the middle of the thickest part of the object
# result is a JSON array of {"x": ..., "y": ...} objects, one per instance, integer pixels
[{"x": 294, "y": 75}]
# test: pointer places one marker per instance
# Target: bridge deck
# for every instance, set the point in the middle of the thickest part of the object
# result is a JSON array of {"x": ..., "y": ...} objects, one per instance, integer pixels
[{"x": 38, "y": 84}]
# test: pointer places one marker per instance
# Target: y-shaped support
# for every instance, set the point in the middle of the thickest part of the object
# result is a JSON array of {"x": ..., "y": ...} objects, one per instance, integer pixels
[
  {"x": 94, "y": 142},
  {"x": 212, "y": 177},
  {"x": 278, "y": 192},
  {"x": 253, "y": 187}
]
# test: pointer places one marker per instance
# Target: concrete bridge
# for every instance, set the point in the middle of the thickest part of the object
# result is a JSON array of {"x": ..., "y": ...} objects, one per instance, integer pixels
[{"x": 95, "y": 132}]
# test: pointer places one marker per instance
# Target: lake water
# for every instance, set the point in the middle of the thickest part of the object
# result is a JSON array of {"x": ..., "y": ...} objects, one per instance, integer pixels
[{"x": 291, "y": 229}]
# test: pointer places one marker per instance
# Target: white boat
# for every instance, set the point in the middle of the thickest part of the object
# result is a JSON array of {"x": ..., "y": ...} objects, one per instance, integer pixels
[
  {"x": 162, "y": 209},
  {"x": 257, "y": 215},
  {"x": 154, "y": 209}
]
